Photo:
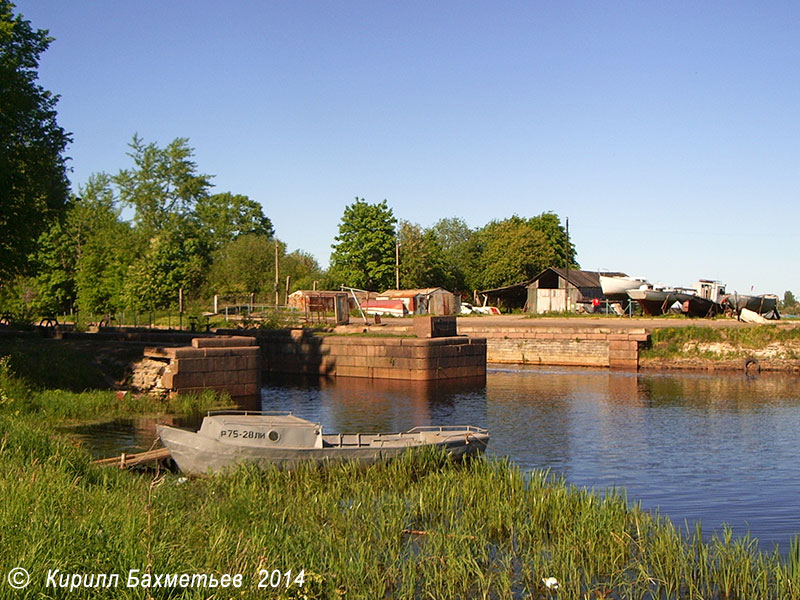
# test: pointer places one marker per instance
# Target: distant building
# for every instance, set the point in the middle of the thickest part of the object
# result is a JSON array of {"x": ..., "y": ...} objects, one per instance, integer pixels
[
  {"x": 321, "y": 305},
  {"x": 555, "y": 289},
  {"x": 427, "y": 301}
]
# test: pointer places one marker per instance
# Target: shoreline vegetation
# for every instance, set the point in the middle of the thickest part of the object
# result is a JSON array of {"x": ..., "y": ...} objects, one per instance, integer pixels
[
  {"x": 764, "y": 347},
  {"x": 418, "y": 527}
]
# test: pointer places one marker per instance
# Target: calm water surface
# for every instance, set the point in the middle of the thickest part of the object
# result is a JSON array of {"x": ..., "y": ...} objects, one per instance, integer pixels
[{"x": 720, "y": 449}]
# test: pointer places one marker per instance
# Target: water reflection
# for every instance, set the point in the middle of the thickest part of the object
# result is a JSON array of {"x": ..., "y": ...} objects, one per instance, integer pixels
[{"x": 720, "y": 448}]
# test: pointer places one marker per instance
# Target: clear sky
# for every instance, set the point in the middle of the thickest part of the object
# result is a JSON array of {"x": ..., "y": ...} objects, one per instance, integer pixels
[{"x": 668, "y": 132}]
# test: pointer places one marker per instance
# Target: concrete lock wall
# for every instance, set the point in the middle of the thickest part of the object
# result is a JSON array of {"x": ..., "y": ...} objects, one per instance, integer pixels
[
  {"x": 229, "y": 364},
  {"x": 299, "y": 352}
]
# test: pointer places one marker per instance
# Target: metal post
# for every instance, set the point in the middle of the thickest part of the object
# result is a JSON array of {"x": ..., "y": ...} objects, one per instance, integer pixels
[{"x": 277, "y": 299}]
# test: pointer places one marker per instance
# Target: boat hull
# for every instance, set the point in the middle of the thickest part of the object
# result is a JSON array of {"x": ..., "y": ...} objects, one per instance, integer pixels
[
  {"x": 766, "y": 305},
  {"x": 195, "y": 453},
  {"x": 616, "y": 288},
  {"x": 656, "y": 302}
]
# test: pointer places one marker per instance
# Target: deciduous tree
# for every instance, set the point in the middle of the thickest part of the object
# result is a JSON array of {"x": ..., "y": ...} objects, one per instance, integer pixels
[
  {"x": 224, "y": 217},
  {"x": 511, "y": 251},
  {"x": 422, "y": 262},
  {"x": 33, "y": 181},
  {"x": 364, "y": 253},
  {"x": 163, "y": 183}
]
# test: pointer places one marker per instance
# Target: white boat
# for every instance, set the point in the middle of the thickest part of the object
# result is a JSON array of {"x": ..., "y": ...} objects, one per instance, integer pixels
[
  {"x": 615, "y": 287},
  {"x": 228, "y": 438}
]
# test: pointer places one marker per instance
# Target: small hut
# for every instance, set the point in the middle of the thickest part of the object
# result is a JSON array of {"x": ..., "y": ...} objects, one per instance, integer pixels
[
  {"x": 427, "y": 301},
  {"x": 321, "y": 305}
]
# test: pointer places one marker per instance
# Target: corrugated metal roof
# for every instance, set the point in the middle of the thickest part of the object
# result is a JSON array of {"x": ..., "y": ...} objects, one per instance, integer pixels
[
  {"x": 411, "y": 293},
  {"x": 580, "y": 279}
]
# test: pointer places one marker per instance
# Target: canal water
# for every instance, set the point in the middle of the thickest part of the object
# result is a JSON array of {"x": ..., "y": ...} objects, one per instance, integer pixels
[{"x": 698, "y": 447}]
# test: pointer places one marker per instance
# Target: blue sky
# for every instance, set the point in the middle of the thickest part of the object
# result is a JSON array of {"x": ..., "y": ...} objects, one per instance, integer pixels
[{"x": 668, "y": 133}]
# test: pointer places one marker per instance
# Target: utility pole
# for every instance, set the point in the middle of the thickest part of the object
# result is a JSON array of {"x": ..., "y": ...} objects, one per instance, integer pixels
[
  {"x": 397, "y": 262},
  {"x": 566, "y": 264},
  {"x": 277, "y": 293}
]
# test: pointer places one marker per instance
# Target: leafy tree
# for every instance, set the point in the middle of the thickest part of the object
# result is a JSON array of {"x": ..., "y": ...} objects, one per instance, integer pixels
[
  {"x": 363, "y": 255},
  {"x": 555, "y": 233},
  {"x": 82, "y": 258},
  {"x": 224, "y": 217},
  {"x": 455, "y": 238},
  {"x": 245, "y": 265},
  {"x": 302, "y": 268},
  {"x": 422, "y": 262},
  {"x": 175, "y": 258},
  {"x": 164, "y": 183},
  {"x": 790, "y": 303},
  {"x": 164, "y": 189},
  {"x": 33, "y": 180},
  {"x": 511, "y": 251},
  {"x": 55, "y": 273}
]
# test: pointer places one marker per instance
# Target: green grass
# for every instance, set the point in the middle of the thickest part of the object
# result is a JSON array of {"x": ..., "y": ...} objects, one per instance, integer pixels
[
  {"x": 671, "y": 342},
  {"x": 420, "y": 527}
]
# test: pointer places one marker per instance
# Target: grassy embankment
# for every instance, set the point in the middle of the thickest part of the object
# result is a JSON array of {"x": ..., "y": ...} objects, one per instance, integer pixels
[
  {"x": 419, "y": 527},
  {"x": 769, "y": 342}
]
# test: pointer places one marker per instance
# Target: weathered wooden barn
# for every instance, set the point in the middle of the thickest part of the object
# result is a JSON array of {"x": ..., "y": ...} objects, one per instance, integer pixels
[{"x": 553, "y": 290}]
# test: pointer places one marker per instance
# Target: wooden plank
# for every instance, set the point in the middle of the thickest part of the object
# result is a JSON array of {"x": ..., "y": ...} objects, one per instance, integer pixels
[{"x": 130, "y": 460}]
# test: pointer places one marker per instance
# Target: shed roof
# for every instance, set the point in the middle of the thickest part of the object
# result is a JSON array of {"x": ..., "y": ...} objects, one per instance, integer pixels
[
  {"x": 577, "y": 277},
  {"x": 411, "y": 293}
]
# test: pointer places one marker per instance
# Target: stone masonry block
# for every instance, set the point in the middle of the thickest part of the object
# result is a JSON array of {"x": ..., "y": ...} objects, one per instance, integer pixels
[{"x": 223, "y": 341}]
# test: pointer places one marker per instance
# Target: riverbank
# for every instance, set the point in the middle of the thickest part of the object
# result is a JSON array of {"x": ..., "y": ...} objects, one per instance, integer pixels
[
  {"x": 773, "y": 347},
  {"x": 659, "y": 343},
  {"x": 615, "y": 342},
  {"x": 421, "y": 526}
]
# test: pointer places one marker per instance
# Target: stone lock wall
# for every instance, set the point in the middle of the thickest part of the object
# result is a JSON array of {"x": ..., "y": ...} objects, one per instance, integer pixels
[
  {"x": 582, "y": 347},
  {"x": 229, "y": 364},
  {"x": 429, "y": 359}
]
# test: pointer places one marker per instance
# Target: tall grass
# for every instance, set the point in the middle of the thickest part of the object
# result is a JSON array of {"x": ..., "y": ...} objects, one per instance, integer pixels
[
  {"x": 670, "y": 342},
  {"x": 419, "y": 527}
]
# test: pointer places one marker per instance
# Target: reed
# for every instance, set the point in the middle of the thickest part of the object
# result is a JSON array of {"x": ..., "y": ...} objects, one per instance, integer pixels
[{"x": 418, "y": 527}]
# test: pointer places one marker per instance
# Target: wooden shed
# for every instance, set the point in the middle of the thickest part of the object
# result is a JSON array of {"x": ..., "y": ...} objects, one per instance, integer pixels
[
  {"x": 321, "y": 305},
  {"x": 553, "y": 290},
  {"x": 562, "y": 290},
  {"x": 426, "y": 301}
]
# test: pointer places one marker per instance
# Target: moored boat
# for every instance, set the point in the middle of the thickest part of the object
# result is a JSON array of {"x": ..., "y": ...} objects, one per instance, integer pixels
[{"x": 228, "y": 438}]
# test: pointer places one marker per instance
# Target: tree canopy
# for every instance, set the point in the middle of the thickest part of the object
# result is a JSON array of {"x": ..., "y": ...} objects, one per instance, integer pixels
[
  {"x": 33, "y": 180},
  {"x": 164, "y": 183},
  {"x": 422, "y": 260},
  {"x": 364, "y": 253}
]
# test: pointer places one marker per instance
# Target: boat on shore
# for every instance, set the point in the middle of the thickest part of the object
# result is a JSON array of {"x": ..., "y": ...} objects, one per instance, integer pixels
[
  {"x": 655, "y": 302},
  {"x": 764, "y": 304},
  {"x": 615, "y": 287},
  {"x": 227, "y": 438}
]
